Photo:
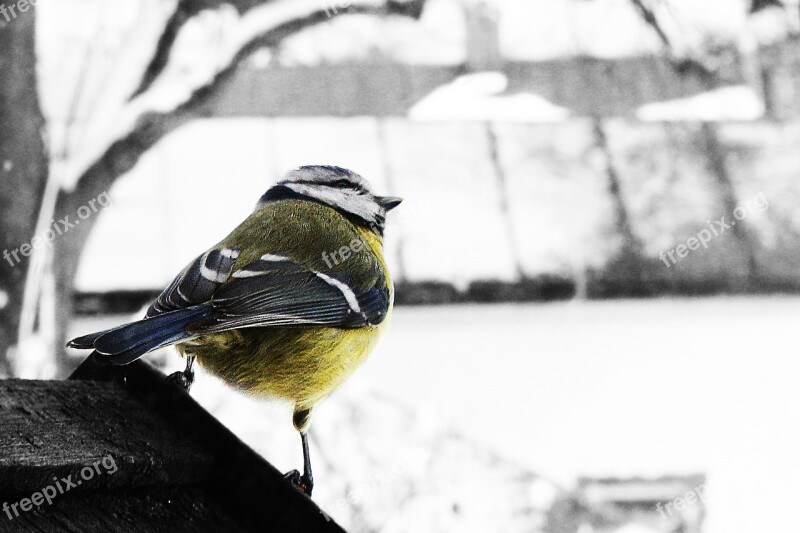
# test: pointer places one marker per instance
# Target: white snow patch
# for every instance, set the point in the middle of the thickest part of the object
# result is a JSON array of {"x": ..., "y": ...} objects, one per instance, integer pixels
[
  {"x": 636, "y": 528},
  {"x": 31, "y": 358},
  {"x": 479, "y": 97},
  {"x": 728, "y": 103}
]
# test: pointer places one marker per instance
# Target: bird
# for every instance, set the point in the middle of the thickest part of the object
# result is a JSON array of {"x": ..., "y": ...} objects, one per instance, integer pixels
[{"x": 287, "y": 306}]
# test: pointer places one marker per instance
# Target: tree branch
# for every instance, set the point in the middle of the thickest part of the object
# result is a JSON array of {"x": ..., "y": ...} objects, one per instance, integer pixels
[
  {"x": 683, "y": 65},
  {"x": 186, "y": 9},
  {"x": 650, "y": 18}
]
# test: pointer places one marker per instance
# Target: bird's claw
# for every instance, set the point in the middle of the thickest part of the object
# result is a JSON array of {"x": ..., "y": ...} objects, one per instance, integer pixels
[
  {"x": 299, "y": 481},
  {"x": 182, "y": 380}
]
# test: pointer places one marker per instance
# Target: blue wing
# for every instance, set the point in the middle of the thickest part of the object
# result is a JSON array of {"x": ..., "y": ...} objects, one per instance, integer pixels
[{"x": 273, "y": 291}]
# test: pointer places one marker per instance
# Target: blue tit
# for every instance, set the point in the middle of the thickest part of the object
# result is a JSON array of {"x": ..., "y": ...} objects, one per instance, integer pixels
[{"x": 288, "y": 305}]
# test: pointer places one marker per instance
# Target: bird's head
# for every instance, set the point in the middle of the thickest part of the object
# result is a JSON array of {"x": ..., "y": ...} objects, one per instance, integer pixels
[{"x": 339, "y": 188}]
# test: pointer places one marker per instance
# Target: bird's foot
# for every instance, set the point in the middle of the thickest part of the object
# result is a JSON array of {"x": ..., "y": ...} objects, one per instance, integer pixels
[
  {"x": 183, "y": 380},
  {"x": 300, "y": 481}
]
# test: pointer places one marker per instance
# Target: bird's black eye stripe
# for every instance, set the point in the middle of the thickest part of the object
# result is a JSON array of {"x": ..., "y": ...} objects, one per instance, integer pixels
[
  {"x": 347, "y": 184},
  {"x": 337, "y": 184}
]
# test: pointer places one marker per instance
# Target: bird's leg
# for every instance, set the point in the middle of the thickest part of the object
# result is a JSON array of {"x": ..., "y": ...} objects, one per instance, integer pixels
[
  {"x": 184, "y": 379},
  {"x": 307, "y": 475},
  {"x": 304, "y": 482}
]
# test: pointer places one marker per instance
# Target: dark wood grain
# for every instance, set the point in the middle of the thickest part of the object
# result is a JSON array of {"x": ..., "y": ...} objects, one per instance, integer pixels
[
  {"x": 169, "y": 509},
  {"x": 55, "y": 428},
  {"x": 175, "y": 467}
]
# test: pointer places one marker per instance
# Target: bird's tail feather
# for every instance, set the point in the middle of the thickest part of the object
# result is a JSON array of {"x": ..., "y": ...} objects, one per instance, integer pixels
[{"x": 127, "y": 343}]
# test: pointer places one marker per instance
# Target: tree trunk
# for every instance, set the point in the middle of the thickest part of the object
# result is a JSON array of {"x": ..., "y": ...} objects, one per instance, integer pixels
[{"x": 23, "y": 169}]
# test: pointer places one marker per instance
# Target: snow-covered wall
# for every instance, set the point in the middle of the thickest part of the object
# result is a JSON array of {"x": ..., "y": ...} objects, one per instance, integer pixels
[{"x": 202, "y": 180}]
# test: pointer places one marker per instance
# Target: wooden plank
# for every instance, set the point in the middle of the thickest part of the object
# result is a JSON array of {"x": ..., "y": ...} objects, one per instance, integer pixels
[
  {"x": 174, "y": 509},
  {"x": 242, "y": 482},
  {"x": 56, "y": 428}
]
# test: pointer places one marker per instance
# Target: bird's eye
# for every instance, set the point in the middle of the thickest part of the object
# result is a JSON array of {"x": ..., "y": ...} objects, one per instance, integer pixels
[{"x": 341, "y": 184}]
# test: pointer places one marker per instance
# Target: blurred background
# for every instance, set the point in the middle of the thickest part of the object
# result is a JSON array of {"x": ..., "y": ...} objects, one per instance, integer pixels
[{"x": 597, "y": 261}]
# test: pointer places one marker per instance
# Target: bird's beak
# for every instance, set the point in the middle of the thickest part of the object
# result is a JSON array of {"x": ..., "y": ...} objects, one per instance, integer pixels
[{"x": 389, "y": 202}]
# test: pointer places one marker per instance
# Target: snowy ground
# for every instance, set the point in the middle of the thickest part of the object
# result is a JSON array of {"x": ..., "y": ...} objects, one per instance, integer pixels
[{"x": 458, "y": 399}]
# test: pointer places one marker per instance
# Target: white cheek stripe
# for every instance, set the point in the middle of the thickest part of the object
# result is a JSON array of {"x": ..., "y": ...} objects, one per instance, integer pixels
[
  {"x": 229, "y": 253},
  {"x": 348, "y": 293}
]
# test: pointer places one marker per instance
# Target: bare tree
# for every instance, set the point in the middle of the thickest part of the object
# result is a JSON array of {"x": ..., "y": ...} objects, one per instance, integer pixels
[{"x": 121, "y": 154}]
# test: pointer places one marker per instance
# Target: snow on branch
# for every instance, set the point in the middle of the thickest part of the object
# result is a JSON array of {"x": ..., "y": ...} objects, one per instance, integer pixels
[
  {"x": 185, "y": 10},
  {"x": 164, "y": 107}
]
